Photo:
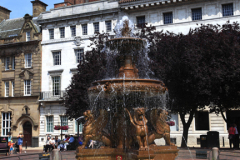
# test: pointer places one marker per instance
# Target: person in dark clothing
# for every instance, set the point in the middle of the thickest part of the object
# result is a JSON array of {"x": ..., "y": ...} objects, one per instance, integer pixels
[
  {"x": 236, "y": 141},
  {"x": 231, "y": 135}
]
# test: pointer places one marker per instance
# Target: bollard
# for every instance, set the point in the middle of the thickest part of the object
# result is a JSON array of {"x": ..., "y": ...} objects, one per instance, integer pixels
[
  {"x": 55, "y": 154},
  {"x": 214, "y": 153},
  {"x": 26, "y": 145},
  {"x": 223, "y": 142}
]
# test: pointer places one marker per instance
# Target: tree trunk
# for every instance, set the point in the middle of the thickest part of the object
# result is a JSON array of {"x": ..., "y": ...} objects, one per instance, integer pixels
[
  {"x": 223, "y": 116},
  {"x": 186, "y": 127}
]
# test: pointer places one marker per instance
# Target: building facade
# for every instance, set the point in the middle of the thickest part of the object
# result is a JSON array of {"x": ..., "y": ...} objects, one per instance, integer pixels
[
  {"x": 66, "y": 30},
  {"x": 20, "y": 78}
]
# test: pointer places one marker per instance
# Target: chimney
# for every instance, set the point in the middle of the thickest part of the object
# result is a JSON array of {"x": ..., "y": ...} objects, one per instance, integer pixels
[
  {"x": 4, "y": 13},
  {"x": 70, "y": 1},
  {"x": 38, "y": 7}
]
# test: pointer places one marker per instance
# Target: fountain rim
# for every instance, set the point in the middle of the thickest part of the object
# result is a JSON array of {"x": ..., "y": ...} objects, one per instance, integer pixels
[{"x": 121, "y": 80}]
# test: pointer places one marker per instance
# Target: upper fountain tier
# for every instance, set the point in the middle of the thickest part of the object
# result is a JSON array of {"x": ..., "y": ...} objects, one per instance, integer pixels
[{"x": 128, "y": 79}]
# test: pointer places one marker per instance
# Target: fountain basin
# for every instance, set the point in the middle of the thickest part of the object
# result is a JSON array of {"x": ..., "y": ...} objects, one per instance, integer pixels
[{"x": 121, "y": 86}]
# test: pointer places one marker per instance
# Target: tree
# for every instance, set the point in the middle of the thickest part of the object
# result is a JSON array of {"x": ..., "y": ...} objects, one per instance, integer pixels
[{"x": 92, "y": 68}]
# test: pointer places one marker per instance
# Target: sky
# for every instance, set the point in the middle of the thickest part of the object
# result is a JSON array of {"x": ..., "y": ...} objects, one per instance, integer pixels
[{"x": 21, "y": 7}]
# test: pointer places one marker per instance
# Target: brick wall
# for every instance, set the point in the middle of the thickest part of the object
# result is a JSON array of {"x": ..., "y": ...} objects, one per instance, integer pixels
[
  {"x": 4, "y": 13},
  {"x": 70, "y": 1}
]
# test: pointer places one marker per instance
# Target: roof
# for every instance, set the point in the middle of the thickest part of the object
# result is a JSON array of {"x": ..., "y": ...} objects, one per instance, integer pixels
[
  {"x": 11, "y": 27},
  {"x": 125, "y": 1},
  {"x": 1, "y": 7},
  {"x": 38, "y": 1}
]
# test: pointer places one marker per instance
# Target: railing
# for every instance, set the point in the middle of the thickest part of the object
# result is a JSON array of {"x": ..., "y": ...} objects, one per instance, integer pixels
[{"x": 49, "y": 95}]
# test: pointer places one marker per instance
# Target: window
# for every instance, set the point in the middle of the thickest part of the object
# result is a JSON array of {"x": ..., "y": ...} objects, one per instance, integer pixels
[
  {"x": 6, "y": 123},
  {"x": 96, "y": 27},
  {"x": 201, "y": 120},
  {"x": 13, "y": 86},
  {"x": 51, "y": 33},
  {"x": 56, "y": 85},
  {"x": 7, "y": 63},
  {"x": 49, "y": 120},
  {"x": 62, "y": 32},
  {"x": 227, "y": 9},
  {"x": 27, "y": 87},
  {"x": 28, "y": 60},
  {"x": 108, "y": 26},
  {"x": 6, "y": 89},
  {"x": 64, "y": 122},
  {"x": 168, "y": 18},
  {"x": 73, "y": 31},
  {"x": 80, "y": 127},
  {"x": 56, "y": 58},
  {"x": 196, "y": 14},
  {"x": 28, "y": 37},
  {"x": 84, "y": 29},
  {"x": 79, "y": 55},
  {"x": 141, "y": 21},
  {"x": 13, "y": 63}
]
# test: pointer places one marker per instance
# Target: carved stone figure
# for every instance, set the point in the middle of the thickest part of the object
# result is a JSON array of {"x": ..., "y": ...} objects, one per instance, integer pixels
[
  {"x": 140, "y": 129},
  {"x": 162, "y": 130},
  {"x": 93, "y": 128}
]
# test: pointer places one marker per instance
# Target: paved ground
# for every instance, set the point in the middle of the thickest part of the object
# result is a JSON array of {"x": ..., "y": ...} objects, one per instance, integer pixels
[{"x": 183, "y": 154}]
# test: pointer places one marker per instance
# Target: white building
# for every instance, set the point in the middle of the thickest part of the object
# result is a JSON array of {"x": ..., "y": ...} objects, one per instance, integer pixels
[{"x": 66, "y": 31}]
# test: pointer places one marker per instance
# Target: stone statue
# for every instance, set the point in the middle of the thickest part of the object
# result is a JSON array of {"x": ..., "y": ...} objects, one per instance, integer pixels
[
  {"x": 161, "y": 128},
  {"x": 93, "y": 128},
  {"x": 140, "y": 129}
]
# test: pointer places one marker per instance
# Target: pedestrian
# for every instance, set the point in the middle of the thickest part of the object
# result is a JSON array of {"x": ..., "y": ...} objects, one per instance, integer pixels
[
  {"x": 236, "y": 141},
  {"x": 92, "y": 143},
  {"x": 9, "y": 141},
  {"x": 11, "y": 147},
  {"x": 20, "y": 141},
  {"x": 231, "y": 135}
]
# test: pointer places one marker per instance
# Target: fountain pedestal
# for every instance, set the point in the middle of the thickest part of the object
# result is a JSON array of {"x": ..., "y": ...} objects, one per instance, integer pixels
[{"x": 154, "y": 153}]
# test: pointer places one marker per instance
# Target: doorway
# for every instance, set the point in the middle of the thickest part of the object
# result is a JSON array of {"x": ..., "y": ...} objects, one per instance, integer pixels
[{"x": 27, "y": 132}]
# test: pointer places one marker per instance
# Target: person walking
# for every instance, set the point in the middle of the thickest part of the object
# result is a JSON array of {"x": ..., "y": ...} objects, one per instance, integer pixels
[
  {"x": 231, "y": 135},
  {"x": 236, "y": 141},
  {"x": 20, "y": 141},
  {"x": 9, "y": 141}
]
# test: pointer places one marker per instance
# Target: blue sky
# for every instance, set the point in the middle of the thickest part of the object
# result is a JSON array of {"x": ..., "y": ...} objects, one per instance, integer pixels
[{"x": 20, "y": 7}]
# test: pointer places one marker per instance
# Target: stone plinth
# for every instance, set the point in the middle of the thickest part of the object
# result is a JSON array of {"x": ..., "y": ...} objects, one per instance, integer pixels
[
  {"x": 154, "y": 153},
  {"x": 165, "y": 152},
  {"x": 105, "y": 154}
]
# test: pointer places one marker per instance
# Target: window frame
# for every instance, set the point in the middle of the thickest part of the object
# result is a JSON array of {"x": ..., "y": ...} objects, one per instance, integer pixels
[
  {"x": 51, "y": 33},
  {"x": 80, "y": 127},
  {"x": 223, "y": 9},
  {"x": 28, "y": 36},
  {"x": 27, "y": 59},
  {"x": 6, "y": 89},
  {"x": 13, "y": 87},
  {"x": 108, "y": 25},
  {"x": 195, "y": 17},
  {"x": 49, "y": 124},
  {"x": 5, "y": 122},
  {"x": 140, "y": 18},
  {"x": 62, "y": 32},
  {"x": 27, "y": 88},
  {"x": 73, "y": 31},
  {"x": 96, "y": 30},
  {"x": 79, "y": 55},
  {"x": 54, "y": 84},
  {"x": 13, "y": 63},
  {"x": 165, "y": 18},
  {"x": 57, "y": 58},
  {"x": 84, "y": 29},
  {"x": 7, "y": 63},
  {"x": 65, "y": 122}
]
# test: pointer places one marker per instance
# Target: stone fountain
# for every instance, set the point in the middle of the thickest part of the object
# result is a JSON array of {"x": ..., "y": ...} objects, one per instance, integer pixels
[{"x": 120, "y": 116}]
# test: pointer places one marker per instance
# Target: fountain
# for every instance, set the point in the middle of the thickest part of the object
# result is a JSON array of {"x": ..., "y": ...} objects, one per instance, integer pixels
[{"x": 123, "y": 115}]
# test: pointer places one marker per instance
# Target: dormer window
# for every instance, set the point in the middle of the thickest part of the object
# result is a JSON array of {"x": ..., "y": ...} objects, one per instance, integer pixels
[{"x": 28, "y": 37}]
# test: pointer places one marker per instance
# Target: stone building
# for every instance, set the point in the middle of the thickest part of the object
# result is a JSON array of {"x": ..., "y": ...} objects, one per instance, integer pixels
[
  {"x": 66, "y": 30},
  {"x": 20, "y": 78}
]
